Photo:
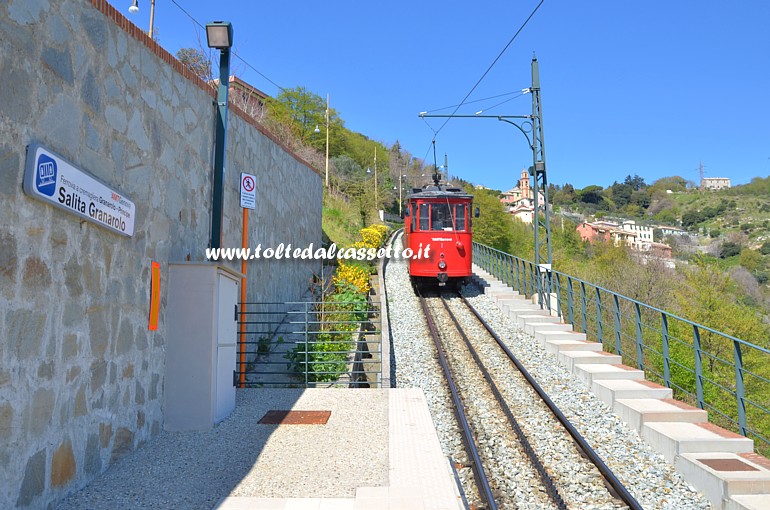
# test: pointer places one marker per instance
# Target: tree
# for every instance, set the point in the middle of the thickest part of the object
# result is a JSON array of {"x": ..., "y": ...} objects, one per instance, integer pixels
[
  {"x": 621, "y": 194},
  {"x": 691, "y": 218},
  {"x": 591, "y": 194},
  {"x": 636, "y": 182},
  {"x": 640, "y": 198},
  {"x": 729, "y": 249},
  {"x": 674, "y": 184},
  {"x": 197, "y": 62},
  {"x": 750, "y": 259},
  {"x": 493, "y": 226}
]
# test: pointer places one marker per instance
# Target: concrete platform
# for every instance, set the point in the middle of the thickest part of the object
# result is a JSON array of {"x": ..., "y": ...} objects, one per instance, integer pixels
[
  {"x": 600, "y": 372},
  {"x": 419, "y": 475},
  {"x": 638, "y": 411},
  {"x": 609, "y": 390},
  {"x": 673, "y": 439},
  {"x": 723, "y": 476},
  {"x": 538, "y": 316}
]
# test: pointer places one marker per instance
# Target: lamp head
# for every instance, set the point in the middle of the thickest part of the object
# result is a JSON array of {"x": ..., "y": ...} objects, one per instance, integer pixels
[
  {"x": 317, "y": 129},
  {"x": 134, "y": 7},
  {"x": 219, "y": 35}
]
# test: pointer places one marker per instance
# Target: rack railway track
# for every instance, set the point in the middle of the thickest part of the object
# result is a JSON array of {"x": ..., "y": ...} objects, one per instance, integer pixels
[{"x": 495, "y": 421}]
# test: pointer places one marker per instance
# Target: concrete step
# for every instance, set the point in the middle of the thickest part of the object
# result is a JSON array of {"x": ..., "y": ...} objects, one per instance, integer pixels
[
  {"x": 534, "y": 327},
  {"x": 555, "y": 346},
  {"x": 536, "y": 316},
  {"x": 521, "y": 308},
  {"x": 673, "y": 439},
  {"x": 515, "y": 302},
  {"x": 571, "y": 358},
  {"x": 743, "y": 478},
  {"x": 637, "y": 411},
  {"x": 610, "y": 390},
  {"x": 594, "y": 372},
  {"x": 499, "y": 293},
  {"x": 748, "y": 502},
  {"x": 546, "y": 336}
]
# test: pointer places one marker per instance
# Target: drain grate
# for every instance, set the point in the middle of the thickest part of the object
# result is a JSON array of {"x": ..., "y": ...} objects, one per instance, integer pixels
[{"x": 278, "y": 417}]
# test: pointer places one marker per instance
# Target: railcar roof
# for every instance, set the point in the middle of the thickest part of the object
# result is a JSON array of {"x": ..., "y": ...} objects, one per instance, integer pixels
[{"x": 438, "y": 192}]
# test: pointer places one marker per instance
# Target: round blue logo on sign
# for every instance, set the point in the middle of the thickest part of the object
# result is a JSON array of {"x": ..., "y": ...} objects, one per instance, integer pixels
[{"x": 45, "y": 181}]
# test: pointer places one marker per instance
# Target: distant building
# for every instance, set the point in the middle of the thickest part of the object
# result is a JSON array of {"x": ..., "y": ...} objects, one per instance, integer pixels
[
  {"x": 247, "y": 97},
  {"x": 643, "y": 233},
  {"x": 671, "y": 231},
  {"x": 606, "y": 231},
  {"x": 715, "y": 183},
  {"x": 636, "y": 237},
  {"x": 519, "y": 200}
]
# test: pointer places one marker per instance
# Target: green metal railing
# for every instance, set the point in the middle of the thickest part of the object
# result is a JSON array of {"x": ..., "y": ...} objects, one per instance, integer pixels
[
  {"x": 727, "y": 376},
  {"x": 308, "y": 344}
]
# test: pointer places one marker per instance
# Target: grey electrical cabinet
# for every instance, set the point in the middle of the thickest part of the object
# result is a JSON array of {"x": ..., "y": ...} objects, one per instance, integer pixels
[{"x": 201, "y": 344}]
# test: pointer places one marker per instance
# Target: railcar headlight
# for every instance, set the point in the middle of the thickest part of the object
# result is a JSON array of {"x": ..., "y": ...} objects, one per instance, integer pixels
[{"x": 442, "y": 265}]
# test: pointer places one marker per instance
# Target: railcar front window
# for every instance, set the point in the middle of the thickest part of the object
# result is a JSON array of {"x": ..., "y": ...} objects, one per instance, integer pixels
[
  {"x": 440, "y": 217},
  {"x": 460, "y": 216},
  {"x": 424, "y": 217}
]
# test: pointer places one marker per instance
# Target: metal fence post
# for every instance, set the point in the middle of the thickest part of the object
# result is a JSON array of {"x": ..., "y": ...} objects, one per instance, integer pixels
[
  {"x": 599, "y": 316},
  {"x": 618, "y": 325},
  {"x": 666, "y": 358},
  {"x": 570, "y": 302},
  {"x": 307, "y": 350},
  {"x": 558, "y": 294},
  {"x": 739, "y": 388},
  {"x": 639, "y": 339},
  {"x": 698, "y": 366},
  {"x": 584, "y": 306}
]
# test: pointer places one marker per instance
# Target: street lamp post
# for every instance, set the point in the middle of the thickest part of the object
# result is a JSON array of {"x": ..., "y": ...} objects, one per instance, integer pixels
[
  {"x": 317, "y": 130},
  {"x": 135, "y": 8},
  {"x": 220, "y": 36}
]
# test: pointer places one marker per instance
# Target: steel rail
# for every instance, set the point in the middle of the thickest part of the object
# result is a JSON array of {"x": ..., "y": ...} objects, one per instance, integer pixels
[
  {"x": 545, "y": 478},
  {"x": 478, "y": 471},
  {"x": 613, "y": 482}
]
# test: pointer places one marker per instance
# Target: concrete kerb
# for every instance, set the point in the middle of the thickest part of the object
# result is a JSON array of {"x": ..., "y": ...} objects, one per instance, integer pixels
[
  {"x": 637, "y": 411},
  {"x": 674, "y": 439},
  {"x": 609, "y": 390},
  {"x": 745, "y": 477}
]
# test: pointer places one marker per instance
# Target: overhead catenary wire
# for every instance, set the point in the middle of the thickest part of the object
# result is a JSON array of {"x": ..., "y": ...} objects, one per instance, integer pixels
[
  {"x": 517, "y": 92},
  {"x": 490, "y": 67}
]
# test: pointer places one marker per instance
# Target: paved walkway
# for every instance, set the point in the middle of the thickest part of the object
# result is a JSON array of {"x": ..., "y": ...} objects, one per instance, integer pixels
[{"x": 378, "y": 449}]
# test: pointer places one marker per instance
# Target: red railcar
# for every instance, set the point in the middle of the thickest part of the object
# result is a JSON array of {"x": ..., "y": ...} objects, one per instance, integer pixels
[{"x": 437, "y": 230}]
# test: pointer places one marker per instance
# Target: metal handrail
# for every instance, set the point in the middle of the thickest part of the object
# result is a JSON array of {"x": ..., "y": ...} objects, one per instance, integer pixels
[
  {"x": 321, "y": 343},
  {"x": 611, "y": 316}
]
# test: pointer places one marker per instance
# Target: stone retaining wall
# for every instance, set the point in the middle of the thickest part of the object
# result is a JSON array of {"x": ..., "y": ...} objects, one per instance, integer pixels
[{"x": 81, "y": 377}]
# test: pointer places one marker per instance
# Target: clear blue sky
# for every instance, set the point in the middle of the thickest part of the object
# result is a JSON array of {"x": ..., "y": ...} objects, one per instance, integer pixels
[{"x": 648, "y": 88}]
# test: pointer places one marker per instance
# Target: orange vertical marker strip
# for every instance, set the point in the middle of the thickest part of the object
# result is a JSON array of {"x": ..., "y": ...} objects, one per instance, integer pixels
[{"x": 154, "y": 297}]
